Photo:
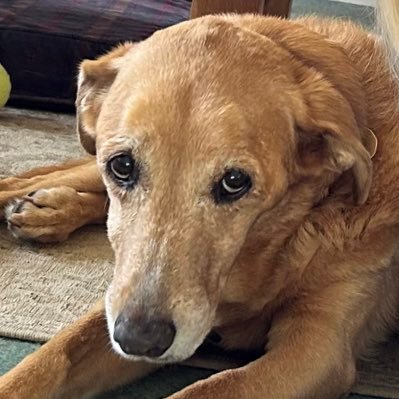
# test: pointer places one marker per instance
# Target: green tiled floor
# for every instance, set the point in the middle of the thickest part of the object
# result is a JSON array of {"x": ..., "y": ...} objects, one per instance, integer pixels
[{"x": 13, "y": 351}]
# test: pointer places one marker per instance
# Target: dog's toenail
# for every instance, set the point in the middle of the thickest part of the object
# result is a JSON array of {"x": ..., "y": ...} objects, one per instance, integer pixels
[
  {"x": 18, "y": 207},
  {"x": 31, "y": 194}
]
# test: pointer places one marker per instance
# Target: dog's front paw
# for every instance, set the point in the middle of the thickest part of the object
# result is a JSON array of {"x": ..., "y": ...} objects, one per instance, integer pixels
[
  {"x": 230, "y": 384},
  {"x": 10, "y": 188},
  {"x": 47, "y": 215}
]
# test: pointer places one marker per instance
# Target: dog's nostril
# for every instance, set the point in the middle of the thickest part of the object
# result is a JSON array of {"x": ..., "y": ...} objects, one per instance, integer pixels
[
  {"x": 144, "y": 336},
  {"x": 213, "y": 337},
  {"x": 120, "y": 320}
]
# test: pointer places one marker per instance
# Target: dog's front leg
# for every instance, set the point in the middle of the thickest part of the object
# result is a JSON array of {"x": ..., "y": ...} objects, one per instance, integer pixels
[
  {"x": 308, "y": 357},
  {"x": 82, "y": 176},
  {"x": 76, "y": 363}
]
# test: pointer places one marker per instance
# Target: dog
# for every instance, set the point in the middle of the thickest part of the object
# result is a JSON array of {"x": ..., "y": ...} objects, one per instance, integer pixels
[{"x": 252, "y": 175}]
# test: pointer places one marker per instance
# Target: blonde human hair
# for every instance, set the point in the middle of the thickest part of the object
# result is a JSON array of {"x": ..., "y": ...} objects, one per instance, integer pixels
[{"x": 388, "y": 16}]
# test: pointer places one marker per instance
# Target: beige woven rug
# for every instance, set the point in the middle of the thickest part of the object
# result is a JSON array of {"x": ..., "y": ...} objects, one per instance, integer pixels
[{"x": 45, "y": 287}]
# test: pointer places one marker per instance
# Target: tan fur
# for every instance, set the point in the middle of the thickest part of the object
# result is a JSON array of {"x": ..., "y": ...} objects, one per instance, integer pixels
[
  {"x": 47, "y": 204},
  {"x": 304, "y": 266}
]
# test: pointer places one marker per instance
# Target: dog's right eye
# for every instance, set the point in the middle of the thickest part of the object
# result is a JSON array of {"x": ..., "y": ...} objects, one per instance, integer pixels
[{"x": 123, "y": 170}]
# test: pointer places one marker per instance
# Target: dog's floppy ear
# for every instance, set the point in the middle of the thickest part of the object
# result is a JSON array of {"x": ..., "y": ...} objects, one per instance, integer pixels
[
  {"x": 329, "y": 137},
  {"x": 95, "y": 78},
  {"x": 332, "y": 125}
]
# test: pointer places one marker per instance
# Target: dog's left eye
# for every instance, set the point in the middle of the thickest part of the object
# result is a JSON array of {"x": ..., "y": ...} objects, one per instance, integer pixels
[
  {"x": 123, "y": 169},
  {"x": 233, "y": 185}
]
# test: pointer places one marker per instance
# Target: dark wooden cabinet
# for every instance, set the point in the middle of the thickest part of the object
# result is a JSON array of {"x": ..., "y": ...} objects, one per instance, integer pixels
[{"x": 280, "y": 8}]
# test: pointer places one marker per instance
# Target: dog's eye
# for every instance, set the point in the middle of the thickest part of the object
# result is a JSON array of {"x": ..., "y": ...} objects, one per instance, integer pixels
[
  {"x": 233, "y": 185},
  {"x": 123, "y": 169}
]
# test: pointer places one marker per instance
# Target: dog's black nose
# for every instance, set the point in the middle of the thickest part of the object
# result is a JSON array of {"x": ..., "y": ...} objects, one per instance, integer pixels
[{"x": 144, "y": 336}]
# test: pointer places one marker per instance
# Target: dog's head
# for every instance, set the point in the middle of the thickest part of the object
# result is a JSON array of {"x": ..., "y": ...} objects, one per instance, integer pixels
[{"x": 201, "y": 132}]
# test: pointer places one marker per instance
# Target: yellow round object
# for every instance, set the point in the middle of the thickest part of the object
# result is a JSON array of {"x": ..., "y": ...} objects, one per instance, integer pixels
[{"x": 5, "y": 86}]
